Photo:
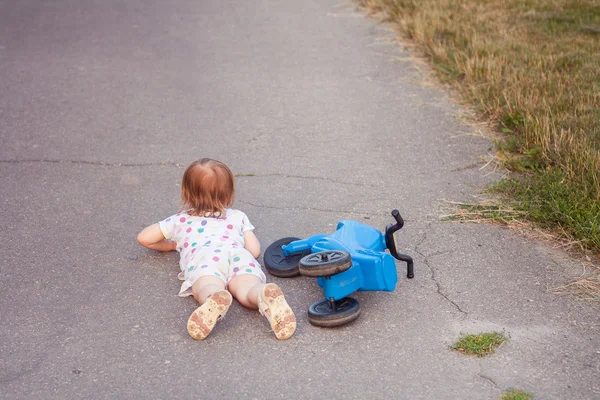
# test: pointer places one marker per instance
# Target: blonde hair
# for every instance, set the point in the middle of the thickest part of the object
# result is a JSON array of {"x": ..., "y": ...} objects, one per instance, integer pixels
[{"x": 207, "y": 188}]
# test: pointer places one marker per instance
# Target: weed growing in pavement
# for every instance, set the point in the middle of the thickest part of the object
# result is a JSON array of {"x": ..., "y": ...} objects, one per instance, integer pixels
[
  {"x": 516, "y": 394},
  {"x": 481, "y": 344}
]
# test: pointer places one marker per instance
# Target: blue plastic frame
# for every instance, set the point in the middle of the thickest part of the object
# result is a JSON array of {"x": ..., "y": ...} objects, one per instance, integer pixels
[{"x": 372, "y": 268}]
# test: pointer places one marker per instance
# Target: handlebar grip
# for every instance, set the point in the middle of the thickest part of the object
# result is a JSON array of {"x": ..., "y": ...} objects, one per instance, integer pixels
[{"x": 398, "y": 218}]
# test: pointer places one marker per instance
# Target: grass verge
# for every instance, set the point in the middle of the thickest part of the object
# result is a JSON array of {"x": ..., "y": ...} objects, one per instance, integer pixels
[
  {"x": 532, "y": 68},
  {"x": 481, "y": 344}
]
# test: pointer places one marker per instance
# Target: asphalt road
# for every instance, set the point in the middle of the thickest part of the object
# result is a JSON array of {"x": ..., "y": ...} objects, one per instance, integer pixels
[{"x": 324, "y": 117}]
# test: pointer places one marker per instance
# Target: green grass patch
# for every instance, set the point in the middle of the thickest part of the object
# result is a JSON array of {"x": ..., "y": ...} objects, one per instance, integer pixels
[
  {"x": 516, "y": 394},
  {"x": 555, "y": 203},
  {"x": 549, "y": 201},
  {"x": 532, "y": 68},
  {"x": 481, "y": 344}
]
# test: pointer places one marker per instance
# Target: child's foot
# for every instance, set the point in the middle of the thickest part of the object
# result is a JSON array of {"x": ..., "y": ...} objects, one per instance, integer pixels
[
  {"x": 203, "y": 320},
  {"x": 272, "y": 304}
]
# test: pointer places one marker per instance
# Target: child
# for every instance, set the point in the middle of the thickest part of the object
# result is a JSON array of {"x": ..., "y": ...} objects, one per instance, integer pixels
[{"x": 218, "y": 252}]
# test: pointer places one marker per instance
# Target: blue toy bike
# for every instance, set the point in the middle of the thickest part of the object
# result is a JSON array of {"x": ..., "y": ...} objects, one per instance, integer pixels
[{"x": 350, "y": 259}]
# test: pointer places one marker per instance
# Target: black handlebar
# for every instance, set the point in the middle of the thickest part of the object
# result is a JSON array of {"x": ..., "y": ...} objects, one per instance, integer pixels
[
  {"x": 391, "y": 243},
  {"x": 399, "y": 220}
]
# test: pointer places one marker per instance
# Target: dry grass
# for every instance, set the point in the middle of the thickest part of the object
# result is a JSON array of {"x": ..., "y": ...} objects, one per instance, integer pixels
[
  {"x": 587, "y": 288},
  {"x": 532, "y": 68},
  {"x": 486, "y": 211}
]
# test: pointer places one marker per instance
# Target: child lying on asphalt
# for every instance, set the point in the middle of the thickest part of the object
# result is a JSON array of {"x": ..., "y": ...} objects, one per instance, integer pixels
[{"x": 218, "y": 251}]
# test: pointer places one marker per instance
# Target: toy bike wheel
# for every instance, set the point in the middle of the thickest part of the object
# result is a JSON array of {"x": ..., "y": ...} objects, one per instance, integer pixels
[
  {"x": 279, "y": 264},
  {"x": 325, "y": 263},
  {"x": 324, "y": 315}
]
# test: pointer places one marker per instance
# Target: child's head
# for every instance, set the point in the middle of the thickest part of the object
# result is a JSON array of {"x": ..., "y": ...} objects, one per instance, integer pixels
[{"x": 207, "y": 188}]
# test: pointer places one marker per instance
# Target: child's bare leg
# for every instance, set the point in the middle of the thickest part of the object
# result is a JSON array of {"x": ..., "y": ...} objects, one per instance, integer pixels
[
  {"x": 205, "y": 286},
  {"x": 210, "y": 292},
  {"x": 245, "y": 289},
  {"x": 252, "y": 293}
]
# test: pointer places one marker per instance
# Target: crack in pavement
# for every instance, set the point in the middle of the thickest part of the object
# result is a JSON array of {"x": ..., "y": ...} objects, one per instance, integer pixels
[
  {"x": 433, "y": 275},
  {"x": 177, "y": 165},
  {"x": 488, "y": 379},
  {"x": 99, "y": 163},
  {"x": 307, "y": 177},
  {"x": 313, "y": 209},
  {"x": 256, "y": 138}
]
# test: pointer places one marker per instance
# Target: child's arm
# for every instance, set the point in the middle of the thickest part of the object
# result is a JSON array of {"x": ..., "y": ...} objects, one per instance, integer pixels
[
  {"x": 252, "y": 244},
  {"x": 152, "y": 238}
]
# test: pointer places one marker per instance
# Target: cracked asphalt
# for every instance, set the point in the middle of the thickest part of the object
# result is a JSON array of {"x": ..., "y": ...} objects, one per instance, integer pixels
[{"x": 323, "y": 116}]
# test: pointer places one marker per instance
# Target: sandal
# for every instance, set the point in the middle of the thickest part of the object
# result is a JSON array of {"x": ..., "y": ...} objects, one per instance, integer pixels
[
  {"x": 272, "y": 304},
  {"x": 203, "y": 319}
]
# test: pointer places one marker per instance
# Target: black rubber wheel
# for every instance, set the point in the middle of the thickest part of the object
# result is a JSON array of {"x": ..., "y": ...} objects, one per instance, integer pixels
[
  {"x": 325, "y": 263},
  {"x": 321, "y": 314},
  {"x": 280, "y": 265}
]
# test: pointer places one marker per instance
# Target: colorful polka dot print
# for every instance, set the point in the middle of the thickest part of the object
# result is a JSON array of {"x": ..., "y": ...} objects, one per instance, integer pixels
[{"x": 205, "y": 246}]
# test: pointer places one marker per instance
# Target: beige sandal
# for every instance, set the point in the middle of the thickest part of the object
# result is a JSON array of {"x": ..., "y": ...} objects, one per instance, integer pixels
[
  {"x": 272, "y": 304},
  {"x": 203, "y": 319}
]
